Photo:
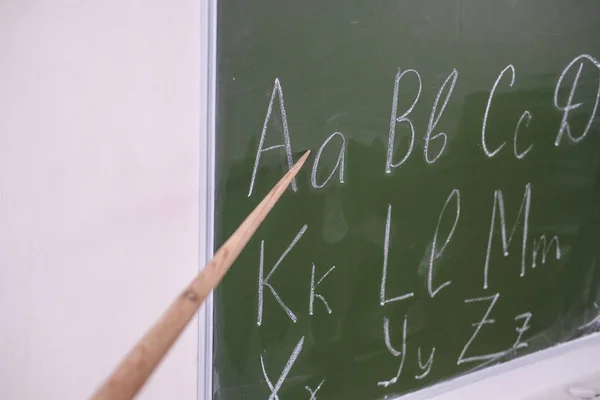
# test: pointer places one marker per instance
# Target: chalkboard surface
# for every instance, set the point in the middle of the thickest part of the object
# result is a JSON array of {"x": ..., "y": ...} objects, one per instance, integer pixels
[{"x": 448, "y": 218}]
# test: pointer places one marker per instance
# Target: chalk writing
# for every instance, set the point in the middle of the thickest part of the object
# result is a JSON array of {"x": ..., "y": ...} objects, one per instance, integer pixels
[
  {"x": 286, "y": 136},
  {"x": 567, "y": 108},
  {"x": 545, "y": 249},
  {"x": 313, "y": 393},
  {"x": 339, "y": 164},
  {"x": 499, "y": 204},
  {"x": 487, "y": 111},
  {"x": 526, "y": 117},
  {"x": 428, "y": 364},
  {"x": 286, "y": 370},
  {"x": 478, "y": 325},
  {"x": 595, "y": 321},
  {"x": 389, "y": 164},
  {"x": 436, "y": 254},
  {"x": 393, "y": 351},
  {"x": 433, "y": 119},
  {"x": 386, "y": 251},
  {"x": 313, "y": 294},
  {"x": 264, "y": 281},
  {"x": 526, "y": 317},
  {"x": 435, "y": 257}
]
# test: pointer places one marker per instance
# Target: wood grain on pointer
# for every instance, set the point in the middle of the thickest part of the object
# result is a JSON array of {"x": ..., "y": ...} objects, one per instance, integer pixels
[{"x": 138, "y": 365}]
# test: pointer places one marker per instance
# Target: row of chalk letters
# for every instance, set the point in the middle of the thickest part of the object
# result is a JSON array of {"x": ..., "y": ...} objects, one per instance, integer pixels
[
  {"x": 522, "y": 326},
  {"x": 542, "y": 249},
  {"x": 508, "y": 74}
]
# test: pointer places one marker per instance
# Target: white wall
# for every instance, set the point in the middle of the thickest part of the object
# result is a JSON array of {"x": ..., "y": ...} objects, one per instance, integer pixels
[{"x": 99, "y": 179}]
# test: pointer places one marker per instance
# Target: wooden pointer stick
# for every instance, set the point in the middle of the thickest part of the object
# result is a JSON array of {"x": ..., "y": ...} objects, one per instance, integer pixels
[{"x": 138, "y": 365}]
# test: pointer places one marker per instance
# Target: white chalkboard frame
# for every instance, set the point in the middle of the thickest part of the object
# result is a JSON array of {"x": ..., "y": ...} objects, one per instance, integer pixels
[
  {"x": 208, "y": 56},
  {"x": 548, "y": 373}
]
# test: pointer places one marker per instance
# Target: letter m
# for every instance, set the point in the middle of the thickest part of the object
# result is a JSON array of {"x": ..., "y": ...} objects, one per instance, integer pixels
[
  {"x": 506, "y": 239},
  {"x": 545, "y": 248}
]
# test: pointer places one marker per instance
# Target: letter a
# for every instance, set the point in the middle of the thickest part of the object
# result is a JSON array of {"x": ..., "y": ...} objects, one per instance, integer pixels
[{"x": 286, "y": 136}]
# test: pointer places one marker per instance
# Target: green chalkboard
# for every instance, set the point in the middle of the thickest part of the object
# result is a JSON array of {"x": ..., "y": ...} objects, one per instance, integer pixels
[{"x": 451, "y": 200}]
